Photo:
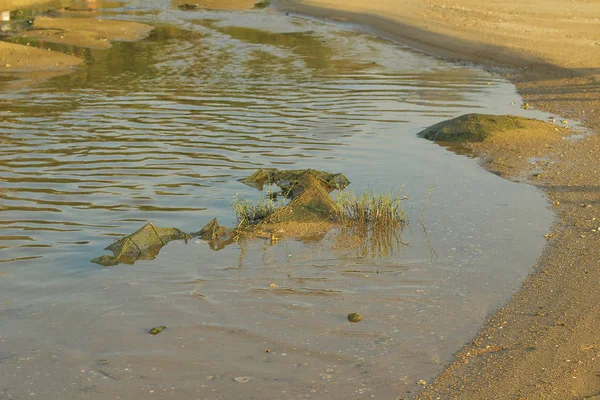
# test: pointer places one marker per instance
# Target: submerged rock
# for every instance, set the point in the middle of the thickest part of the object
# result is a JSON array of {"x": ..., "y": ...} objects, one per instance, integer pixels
[
  {"x": 143, "y": 244},
  {"x": 310, "y": 210},
  {"x": 216, "y": 235},
  {"x": 473, "y": 127}
]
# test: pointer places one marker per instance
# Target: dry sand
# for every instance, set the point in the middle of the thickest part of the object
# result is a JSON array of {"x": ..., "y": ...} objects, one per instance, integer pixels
[
  {"x": 14, "y": 4},
  {"x": 544, "y": 343}
]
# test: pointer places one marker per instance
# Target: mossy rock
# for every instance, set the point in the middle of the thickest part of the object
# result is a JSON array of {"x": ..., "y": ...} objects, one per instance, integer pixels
[
  {"x": 313, "y": 204},
  {"x": 216, "y": 235},
  {"x": 143, "y": 244},
  {"x": 473, "y": 127},
  {"x": 294, "y": 182}
]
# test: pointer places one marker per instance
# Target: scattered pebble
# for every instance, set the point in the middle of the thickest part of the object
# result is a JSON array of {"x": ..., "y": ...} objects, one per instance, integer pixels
[
  {"x": 242, "y": 379},
  {"x": 421, "y": 382},
  {"x": 157, "y": 330},
  {"x": 354, "y": 317}
]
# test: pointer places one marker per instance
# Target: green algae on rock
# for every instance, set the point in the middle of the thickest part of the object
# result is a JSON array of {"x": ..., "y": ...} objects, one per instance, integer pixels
[
  {"x": 143, "y": 244},
  {"x": 505, "y": 144},
  {"x": 354, "y": 317},
  {"x": 216, "y": 235},
  {"x": 310, "y": 213},
  {"x": 295, "y": 181},
  {"x": 157, "y": 330},
  {"x": 473, "y": 127}
]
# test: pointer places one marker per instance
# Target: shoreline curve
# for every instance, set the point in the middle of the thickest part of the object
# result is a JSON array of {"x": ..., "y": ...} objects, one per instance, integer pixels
[{"x": 542, "y": 343}]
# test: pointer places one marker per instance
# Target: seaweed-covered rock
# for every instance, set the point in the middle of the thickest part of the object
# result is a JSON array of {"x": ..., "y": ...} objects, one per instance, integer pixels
[
  {"x": 310, "y": 204},
  {"x": 143, "y": 244},
  {"x": 188, "y": 6},
  {"x": 216, "y": 235},
  {"x": 313, "y": 204},
  {"x": 294, "y": 182},
  {"x": 473, "y": 127}
]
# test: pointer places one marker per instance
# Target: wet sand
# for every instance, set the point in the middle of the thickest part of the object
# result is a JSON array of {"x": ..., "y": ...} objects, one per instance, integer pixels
[
  {"x": 84, "y": 31},
  {"x": 543, "y": 344},
  {"x": 218, "y": 4},
  {"x": 15, "y": 57},
  {"x": 87, "y": 32}
]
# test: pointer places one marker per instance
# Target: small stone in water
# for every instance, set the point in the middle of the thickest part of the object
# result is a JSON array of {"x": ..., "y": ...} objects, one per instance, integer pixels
[
  {"x": 242, "y": 379},
  {"x": 354, "y": 317},
  {"x": 421, "y": 382},
  {"x": 157, "y": 330}
]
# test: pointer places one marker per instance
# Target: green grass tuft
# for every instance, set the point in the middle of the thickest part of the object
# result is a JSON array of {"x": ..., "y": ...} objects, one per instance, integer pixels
[
  {"x": 378, "y": 211},
  {"x": 373, "y": 222},
  {"x": 250, "y": 213}
]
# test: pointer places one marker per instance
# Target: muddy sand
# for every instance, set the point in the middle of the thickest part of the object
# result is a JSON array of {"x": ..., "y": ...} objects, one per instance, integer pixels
[{"x": 543, "y": 344}]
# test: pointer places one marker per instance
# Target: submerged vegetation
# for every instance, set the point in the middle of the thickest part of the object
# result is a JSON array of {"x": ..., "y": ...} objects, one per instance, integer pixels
[
  {"x": 378, "y": 210},
  {"x": 250, "y": 213},
  {"x": 371, "y": 223},
  {"x": 303, "y": 207}
]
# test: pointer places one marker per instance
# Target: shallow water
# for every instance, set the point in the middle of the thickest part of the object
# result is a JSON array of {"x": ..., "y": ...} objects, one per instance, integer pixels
[{"x": 161, "y": 130}]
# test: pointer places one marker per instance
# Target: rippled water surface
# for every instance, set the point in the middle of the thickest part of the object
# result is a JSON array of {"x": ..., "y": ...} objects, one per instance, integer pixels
[{"x": 161, "y": 130}]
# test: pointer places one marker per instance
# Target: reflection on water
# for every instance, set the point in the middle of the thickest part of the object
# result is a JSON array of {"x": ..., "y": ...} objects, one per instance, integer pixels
[{"x": 161, "y": 131}]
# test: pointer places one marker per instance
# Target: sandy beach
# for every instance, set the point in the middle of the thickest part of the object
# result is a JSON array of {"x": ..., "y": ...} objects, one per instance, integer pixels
[{"x": 543, "y": 343}]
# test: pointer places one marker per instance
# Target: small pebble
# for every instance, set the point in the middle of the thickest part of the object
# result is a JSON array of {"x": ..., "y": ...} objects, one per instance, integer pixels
[
  {"x": 157, "y": 330},
  {"x": 354, "y": 317}
]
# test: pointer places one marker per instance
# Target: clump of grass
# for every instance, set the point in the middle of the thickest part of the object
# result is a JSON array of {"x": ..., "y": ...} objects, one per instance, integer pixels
[
  {"x": 263, "y": 4},
  {"x": 369, "y": 209},
  {"x": 372, "y": 223},
  {"x": 250, "y": 213}
]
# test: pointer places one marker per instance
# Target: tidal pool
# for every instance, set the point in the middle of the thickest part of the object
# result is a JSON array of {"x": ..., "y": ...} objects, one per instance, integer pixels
[{"x": 161, "y": 130}]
